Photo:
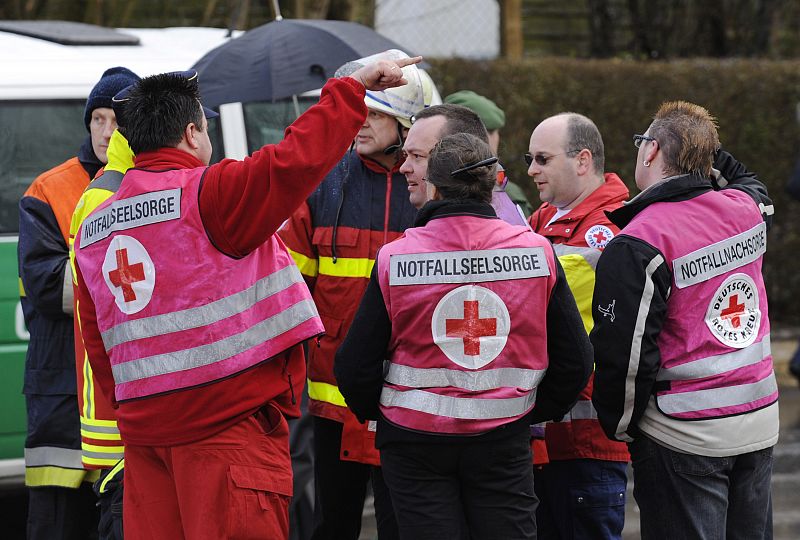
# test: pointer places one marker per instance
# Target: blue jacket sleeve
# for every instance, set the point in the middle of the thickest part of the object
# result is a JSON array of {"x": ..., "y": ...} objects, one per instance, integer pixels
[{"x": 43, "y": 260}]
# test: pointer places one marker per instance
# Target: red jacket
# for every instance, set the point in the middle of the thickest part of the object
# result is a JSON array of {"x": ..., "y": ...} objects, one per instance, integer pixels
[
  {"x": 579, "y": 238},
  {"x": 235, "y": 196}
]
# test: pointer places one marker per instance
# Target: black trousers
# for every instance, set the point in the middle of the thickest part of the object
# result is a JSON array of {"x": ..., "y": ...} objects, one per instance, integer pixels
[
  {"x": 340, "y": 488},
  {"x": 59, "y": 513},
  {"x": 440, "y": 489}
]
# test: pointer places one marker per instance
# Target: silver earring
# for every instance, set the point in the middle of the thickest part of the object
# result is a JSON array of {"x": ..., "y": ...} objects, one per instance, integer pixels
[{"x": 646, "y": 163}]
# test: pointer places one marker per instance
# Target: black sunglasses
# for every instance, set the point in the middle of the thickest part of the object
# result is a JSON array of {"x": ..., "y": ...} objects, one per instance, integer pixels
[
  {"x": 541, "y": 159},
  {"x": 639, "y": 139}
]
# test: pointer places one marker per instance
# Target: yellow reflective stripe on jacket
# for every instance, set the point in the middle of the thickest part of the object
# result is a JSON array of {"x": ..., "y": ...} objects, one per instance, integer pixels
[
  {"x": 58, "y": 476},
  {"x": 328, "y": 393},
  {"x": 21, "y": 288},
  {"x": 91, "y": 199},
  {"x": 346, "y": 267},
  {"x": 308, "y": 267},
  {"x": 580, "y": 278},
  {"x": 108, "y": 454},
  {"x": 103, "y": 430},
  {"x": 112, "y": 474}
]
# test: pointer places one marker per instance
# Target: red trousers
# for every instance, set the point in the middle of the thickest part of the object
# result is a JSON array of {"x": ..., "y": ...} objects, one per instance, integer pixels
[{"x": 236, "y": 484}]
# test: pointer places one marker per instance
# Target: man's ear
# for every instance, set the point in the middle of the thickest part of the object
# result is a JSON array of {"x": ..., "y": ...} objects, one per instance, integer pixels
[
  {"x": 189, "y": 133},
  {"x": 585, "y": 162}
]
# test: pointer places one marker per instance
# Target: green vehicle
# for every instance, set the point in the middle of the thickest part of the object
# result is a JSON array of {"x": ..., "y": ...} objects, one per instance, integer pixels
[{"x": 48, "y": 69}]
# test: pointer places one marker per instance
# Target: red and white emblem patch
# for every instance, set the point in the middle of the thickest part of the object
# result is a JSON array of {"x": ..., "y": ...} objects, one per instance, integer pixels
[
  {"x": 598, "y": 236},
  {"x": 733, "y": 315},
  {"x": 470, "y": 325},
  {"x": 129, "y": 274}
]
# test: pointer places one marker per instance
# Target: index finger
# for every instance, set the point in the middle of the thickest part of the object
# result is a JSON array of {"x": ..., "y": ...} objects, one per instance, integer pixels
[{"x": 403, "y": 62}]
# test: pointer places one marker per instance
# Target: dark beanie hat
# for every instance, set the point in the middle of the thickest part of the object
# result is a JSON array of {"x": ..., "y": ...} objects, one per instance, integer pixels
[
  {"x": 492, "y": 116},
  {"x": 112, "y": 81}
]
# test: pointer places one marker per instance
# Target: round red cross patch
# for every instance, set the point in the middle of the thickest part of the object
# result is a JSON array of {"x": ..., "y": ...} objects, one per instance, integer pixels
[
  {"x": 129, "y": 274},
  {"x": 470, "y": 325},
  {"x": 598, "y": 236},
  {"x": 733, "y": 315}
]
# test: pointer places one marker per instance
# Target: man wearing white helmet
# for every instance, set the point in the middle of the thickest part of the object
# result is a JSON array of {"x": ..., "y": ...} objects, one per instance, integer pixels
[{"x": 334, "y": 237}]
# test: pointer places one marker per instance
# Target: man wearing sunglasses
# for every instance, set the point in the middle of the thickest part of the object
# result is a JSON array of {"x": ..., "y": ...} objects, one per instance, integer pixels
[{"x": 582, "y": 488}]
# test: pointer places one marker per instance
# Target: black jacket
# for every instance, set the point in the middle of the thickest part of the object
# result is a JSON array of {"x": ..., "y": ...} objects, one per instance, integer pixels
[{"x": 622, "y": 279}]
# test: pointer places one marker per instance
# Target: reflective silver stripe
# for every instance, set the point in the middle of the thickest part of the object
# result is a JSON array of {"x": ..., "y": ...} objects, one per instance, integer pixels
[
  {"x": 721, "y": 363},
  {"x": 67, "y": 292},
  {"x": 202, "y": 315},
  {"x": 475, "y": 266},
  {"x": 488, "y": 379},
  {"x": 453, "y": 407},
  {"x": 43, "y": 456},
  {"x": 716, "y": 398},
  {"x": 720, "y": 257},
  {"x": 203, "y": 355},
  {"x": 583, "y": 410},
  {"x": 110, "y": 180},
  {"x": 99, "y": 429},
  {"x": 104, "y": 455},
  {"x": 591, "y": 255},
  {"x": 636, "y": 348}
]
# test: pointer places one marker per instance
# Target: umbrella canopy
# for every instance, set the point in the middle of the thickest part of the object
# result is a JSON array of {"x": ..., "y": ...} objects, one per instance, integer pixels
[{"x": 283, "y": 58}]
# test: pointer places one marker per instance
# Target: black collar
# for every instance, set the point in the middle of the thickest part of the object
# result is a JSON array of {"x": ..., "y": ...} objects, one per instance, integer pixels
[
  {"x": 467, "y": 207},
  {"x": 675, "y": 189}
]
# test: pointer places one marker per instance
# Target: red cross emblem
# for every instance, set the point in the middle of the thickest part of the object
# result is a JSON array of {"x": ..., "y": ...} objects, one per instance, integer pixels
[
  {"x": 733, "y": 311},
  {"x": 600, "y": 237},
  {"x": 471, "y": 328},
  {"x": 126, "y": 275}
]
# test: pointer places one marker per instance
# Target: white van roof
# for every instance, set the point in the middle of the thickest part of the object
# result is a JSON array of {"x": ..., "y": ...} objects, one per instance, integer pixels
[{"x": 33, "y": 68}]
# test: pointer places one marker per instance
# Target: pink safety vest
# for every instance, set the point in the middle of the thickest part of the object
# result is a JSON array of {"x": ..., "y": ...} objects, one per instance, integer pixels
[
  {"x": 173, "y": 311},
  {"x": 715, "y": 346},
  {"x": 467, "y": 298}
]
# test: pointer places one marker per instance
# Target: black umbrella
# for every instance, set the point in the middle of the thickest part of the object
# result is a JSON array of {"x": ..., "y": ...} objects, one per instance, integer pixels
[{"x": 283, "y": 58}]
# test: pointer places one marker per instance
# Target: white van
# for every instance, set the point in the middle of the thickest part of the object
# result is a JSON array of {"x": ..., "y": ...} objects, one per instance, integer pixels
[{"x": 47, "y": 69}]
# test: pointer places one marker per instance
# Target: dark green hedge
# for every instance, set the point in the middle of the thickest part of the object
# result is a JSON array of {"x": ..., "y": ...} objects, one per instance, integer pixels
[{"x": 754, "y": 102}]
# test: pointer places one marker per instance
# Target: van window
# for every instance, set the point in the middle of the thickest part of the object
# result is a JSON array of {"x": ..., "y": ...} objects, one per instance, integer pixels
[
  {"x": 57, "y": 131},
  {"x": 265, "y": 122}
]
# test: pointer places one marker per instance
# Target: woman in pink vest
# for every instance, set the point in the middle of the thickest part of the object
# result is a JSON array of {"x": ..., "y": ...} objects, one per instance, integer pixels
[
  {"x": 681, "y": 334},
  {"x": 467, "y": 334}
]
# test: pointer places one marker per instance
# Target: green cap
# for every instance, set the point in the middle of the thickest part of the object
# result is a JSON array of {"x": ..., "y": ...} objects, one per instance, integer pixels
[{"x": 492, "y": 116}]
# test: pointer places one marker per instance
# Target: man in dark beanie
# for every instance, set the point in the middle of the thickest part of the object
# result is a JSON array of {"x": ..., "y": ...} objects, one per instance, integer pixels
[{"x": 61, "y": 501}]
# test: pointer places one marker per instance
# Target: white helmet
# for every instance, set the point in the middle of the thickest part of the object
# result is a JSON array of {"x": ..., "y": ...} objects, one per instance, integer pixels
[
  {"x": 430, "y": 93},
  {"x": 402, "y": 102}
]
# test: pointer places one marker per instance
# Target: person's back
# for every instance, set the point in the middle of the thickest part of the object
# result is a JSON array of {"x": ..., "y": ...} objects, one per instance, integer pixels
[
  {"x": 683, "y": 365},
  {"x": 462, "y": 382},
  {"x": 187, "y": 392}
]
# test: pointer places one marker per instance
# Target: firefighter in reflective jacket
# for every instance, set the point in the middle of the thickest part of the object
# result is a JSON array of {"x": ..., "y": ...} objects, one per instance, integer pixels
[
  {"x": 681, "y": 335},
  {"x": 482, "y": 337}
]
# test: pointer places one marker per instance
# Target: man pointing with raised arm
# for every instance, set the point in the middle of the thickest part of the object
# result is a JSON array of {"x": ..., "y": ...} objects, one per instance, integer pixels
[{"x": 193, "y": 326}]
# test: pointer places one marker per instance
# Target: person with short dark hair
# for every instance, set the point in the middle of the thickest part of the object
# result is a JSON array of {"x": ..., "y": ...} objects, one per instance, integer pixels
[
  {"x": 681, "y": 335},
  {"x": 61, "y": 503},
  {"x": 429, "y": 126},
  {"x": 481, "y": 337},
  {"x": 193, "y": 313}
]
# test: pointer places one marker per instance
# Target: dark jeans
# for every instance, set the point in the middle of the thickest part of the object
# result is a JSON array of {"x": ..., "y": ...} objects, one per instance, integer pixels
[
  {"x": 341, "y": 487},
  {"x": 684, "y": 496},
  {"x": 441, "y": 488},
  {"x": 580, "y": 499}
]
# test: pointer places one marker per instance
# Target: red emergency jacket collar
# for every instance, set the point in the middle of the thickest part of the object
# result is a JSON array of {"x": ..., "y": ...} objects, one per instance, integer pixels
[
  {"x": 612, "y": 191},
  {"x": 374, "y": 166},
  {"x": 165, "y": 159}
]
